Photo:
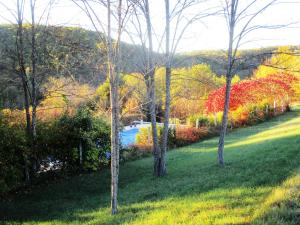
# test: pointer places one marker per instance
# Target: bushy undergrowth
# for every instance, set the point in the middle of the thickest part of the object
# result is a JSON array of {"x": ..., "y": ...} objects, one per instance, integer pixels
[
  {"x": 253, "y": 114},
  {"x": 242, "y": 116},
  {"x": 13, "y": 147},
  {"x": 144, "y": 139},
  {"x": 188, "y": 135},
  {"x": 202, "y": 126},
  {"x": 179, "y": 136},
  {"x": 59, "y": 141}
]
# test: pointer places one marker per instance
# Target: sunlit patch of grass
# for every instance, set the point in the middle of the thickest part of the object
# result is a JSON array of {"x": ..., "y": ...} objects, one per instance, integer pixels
[
  {"x": 282, "y": 206},
  {"x": 215, "y": 207},
  {"x": 259, "y": 175}
]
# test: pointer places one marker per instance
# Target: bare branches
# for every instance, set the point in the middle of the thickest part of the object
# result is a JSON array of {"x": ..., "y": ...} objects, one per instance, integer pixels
[
  {"x": 93, "y": 17},
  {"x": 240, "y": 17}
]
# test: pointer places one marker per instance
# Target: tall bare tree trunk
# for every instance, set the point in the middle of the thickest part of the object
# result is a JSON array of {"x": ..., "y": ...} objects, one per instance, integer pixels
[
  {"x": 230, "y": 62},
  {"x": 163, "y": 169},
  {"x": 113, "y": 65},
  {"x": 33, "y": 85},
  {"x": 28, "y": 130},
  {"x": 151, "y": 83},
  {"x": 239, "y": 25},
  {"x": 114, "y": 142},
  {"x": 23, "y": 76}
]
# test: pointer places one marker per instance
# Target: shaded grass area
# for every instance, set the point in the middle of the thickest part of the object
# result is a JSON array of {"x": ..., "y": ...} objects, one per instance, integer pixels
[{"x": 259, "y": 160}]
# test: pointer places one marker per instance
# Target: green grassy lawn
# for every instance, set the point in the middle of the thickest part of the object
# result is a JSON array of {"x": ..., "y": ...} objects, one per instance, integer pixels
[{"x": 260, "y": 184}]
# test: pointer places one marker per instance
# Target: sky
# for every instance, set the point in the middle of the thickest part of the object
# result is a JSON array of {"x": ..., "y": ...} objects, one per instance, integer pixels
[{"x": 206, "y": 34}]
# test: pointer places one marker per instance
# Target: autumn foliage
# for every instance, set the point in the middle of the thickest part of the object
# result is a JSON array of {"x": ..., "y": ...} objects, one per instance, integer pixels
[
  {"x": 269, "y": 90},
  {"x": 188, "y": 135},
  {"x": 180, "y": 136}
]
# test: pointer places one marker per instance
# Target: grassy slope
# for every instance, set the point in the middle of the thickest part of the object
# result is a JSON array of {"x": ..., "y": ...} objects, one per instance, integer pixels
[{"x": 258, "y": 185}]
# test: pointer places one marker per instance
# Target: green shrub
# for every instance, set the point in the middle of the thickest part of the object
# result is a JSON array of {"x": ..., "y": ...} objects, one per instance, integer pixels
[
  {"x": 252, "y": 114},
  {"x": 70, "y": 132},
  {"x": 134, "y": 152},
  {"x": 13, "y": 146},
  {"x": 58, "y": 139},
  {"x": 198, "y": 121},
  {"x": 215, "y": 119}
]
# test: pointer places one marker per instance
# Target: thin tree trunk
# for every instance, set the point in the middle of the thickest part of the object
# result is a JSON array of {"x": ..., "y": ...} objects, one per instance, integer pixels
[
  {"x": 26, "y": 104},
  {"x": 240, "y": 19},
  {"x": 114, "y": 145},
  {"x": 33, "y": 85},
  {"x": 22, "y": 73},
  {"x": 148, "y": 104},
  {"x": 113, "y": 64},
  {"x": 80, "y": 153},
  {"x": 224, "y": 123},
  {"x": 163, "y": 168},
  {"x": 151, "y": 83},
  {"x": 28, "y": 131},
  {"x": 228, "y": 83}
]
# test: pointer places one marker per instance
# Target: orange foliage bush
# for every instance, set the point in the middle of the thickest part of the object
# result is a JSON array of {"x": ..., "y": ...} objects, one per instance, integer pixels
[{"x": 187, "y": 135}]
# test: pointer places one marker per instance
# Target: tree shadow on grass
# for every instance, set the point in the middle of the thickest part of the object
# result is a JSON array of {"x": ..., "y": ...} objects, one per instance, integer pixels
[{"x": 192, "y": 174}]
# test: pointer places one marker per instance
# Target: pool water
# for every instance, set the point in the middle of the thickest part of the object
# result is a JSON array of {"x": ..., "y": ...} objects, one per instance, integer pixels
[{"x": 128, "y": 136}]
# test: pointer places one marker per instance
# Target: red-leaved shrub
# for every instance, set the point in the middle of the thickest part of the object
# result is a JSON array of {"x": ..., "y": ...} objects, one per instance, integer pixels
[{"x": 187, "y": 135}]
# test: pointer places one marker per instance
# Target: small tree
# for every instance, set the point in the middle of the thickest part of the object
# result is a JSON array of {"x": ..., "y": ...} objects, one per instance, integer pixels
[
  {"x": 181, "y": 19},
  {"x": 239, "y": 18},
  {"x": 117, "y": 10},
  {"x": 24, "y": 55}
]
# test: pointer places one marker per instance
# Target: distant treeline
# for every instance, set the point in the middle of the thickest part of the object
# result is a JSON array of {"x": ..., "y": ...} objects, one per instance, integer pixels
[
  {"x": 76, "y": 53},
  {"x": 248, "y": 60}
]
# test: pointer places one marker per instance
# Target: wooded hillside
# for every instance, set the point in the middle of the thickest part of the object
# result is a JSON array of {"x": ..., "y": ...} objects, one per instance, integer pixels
[{"x": 77, "y": 54}]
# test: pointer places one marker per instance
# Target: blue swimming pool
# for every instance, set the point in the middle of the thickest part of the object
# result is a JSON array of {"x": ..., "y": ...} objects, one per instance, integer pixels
[{"x": 128, "y": 136}]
